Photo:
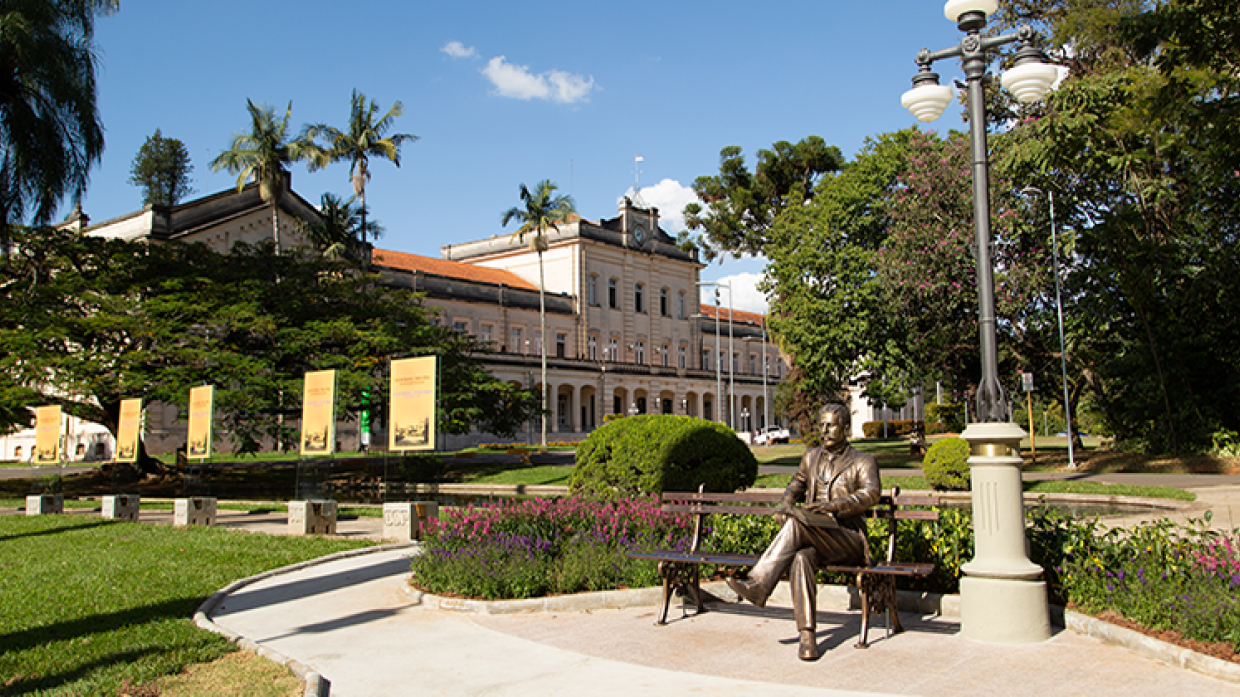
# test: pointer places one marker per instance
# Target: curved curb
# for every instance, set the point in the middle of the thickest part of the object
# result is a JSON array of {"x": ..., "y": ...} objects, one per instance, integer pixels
[
  {"x": 316, "y": 684},
  {"x": 1149, "y": 647}
]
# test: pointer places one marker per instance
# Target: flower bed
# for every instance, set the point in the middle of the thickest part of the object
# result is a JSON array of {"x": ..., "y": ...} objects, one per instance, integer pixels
[{"x": 546, "y": 546}]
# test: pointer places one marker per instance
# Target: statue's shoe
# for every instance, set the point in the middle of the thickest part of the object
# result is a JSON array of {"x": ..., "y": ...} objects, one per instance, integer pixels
[
  {"x": 747, "y": 589},
  {"x": 808, "y": 650}
]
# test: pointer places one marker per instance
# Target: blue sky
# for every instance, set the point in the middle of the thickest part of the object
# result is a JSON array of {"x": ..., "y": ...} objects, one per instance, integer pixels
[{"x": 504, "y": 93}]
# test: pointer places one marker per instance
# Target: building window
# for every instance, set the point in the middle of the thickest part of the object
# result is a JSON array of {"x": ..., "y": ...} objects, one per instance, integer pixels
[
  {"x": 705, "y": 359},
  {"x": 460, "y": 326},
  {"x": 486, "y": 334},
  {"x": 561, "y": 345},
  {"x": 592, "y": 347},
  {"x": 682, "y": 357},
  {"x": 538, "y": 344},
  {"x": 613, "y": 296},
  {"x": 753, "y": 364},
  {"x": 516, "y": 345},
  {"x": 666, "y": 405},
  {"x": 736, "y": 362},
  {"x": 638, "y": 302},
  {"x": 613, "y": 351},
  {"x": 666, "y": 355},
  {"x": 592, "y": 290},
  {"x": 640, "y": 352},
  {"x": 616, "y": 406},
  {"x": 641, "y": 405},
  {"x": 680, "y": 311},
  {"x": 664, "y": 309}
]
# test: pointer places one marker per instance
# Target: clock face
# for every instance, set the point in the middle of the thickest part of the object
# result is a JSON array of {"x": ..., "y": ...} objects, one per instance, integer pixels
[{"x": 639, "y": 234}]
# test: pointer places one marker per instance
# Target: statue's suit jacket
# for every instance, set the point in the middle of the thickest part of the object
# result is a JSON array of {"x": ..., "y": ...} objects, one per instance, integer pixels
[{"x": 848, "y": 483}]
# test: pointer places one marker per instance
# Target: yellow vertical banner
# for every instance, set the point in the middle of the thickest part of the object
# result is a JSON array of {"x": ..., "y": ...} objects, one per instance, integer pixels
[
  {"x": 318, "y": 413},
  {"x": 412, "y": 409},
  {"x": 201, "y": 413},
  {"x": 128, "y": 431},
  {"x": 47, "y": 435}
]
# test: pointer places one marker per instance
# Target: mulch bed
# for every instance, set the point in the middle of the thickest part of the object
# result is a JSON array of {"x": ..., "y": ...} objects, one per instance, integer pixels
[{"x": 1217, "y": 649}]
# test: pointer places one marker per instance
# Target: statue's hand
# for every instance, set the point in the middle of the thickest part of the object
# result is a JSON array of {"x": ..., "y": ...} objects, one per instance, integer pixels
[{"x": 782, "y": 511}]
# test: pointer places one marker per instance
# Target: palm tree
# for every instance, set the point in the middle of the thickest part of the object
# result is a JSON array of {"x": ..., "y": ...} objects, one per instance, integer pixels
[
  {"x": 363, "y": 139},
  {"x": 264, "y": 154},
  {"x": 542, "y": 211},
  {"x": 50, "y": 131},
  {"x": 340, "y": 233}
]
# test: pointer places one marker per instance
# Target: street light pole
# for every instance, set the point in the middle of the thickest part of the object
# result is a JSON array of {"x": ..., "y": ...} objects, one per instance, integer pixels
[
  {"x": 731, "y": 362},
  {"x": 1001, "y": 597},
  {"x": 766, "y": 400},
  {"x": 1063, "y": 348},
  {"x": 718, "y": 368}
]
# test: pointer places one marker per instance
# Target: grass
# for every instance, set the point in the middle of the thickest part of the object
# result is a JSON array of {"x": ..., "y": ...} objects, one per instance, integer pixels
[
  {"x": 529, "y": 476},
  {"x": 238, "y": 674},
  {"x": 88, "y": 604}
]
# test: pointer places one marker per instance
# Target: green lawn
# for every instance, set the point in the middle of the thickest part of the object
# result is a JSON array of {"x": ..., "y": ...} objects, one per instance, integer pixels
[{"x": 86, "y": 604}]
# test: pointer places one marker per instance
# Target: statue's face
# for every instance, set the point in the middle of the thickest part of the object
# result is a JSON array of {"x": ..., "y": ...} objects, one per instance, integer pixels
[{"x": 834, "y": 430}]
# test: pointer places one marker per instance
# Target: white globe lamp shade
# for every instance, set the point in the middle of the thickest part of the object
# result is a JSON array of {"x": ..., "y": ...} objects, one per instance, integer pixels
[
  {"x": 927, "y": 102},
  {"x": 954, "y": 8},
  {"x": 1030, "y": 81}
]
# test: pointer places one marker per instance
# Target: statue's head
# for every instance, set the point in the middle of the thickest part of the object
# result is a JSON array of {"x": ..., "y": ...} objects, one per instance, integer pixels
[{"x": 834, "y": 423}]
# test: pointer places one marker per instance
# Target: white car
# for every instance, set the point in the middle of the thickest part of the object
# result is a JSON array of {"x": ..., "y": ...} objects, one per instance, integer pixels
[{"x": 772, "y": 434}]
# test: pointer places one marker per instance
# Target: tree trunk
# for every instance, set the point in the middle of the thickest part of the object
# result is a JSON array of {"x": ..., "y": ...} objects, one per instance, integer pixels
[{"x": 542, "y": 321}]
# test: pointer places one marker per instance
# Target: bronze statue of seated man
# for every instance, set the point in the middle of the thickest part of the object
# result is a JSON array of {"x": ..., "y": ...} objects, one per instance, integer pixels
[{"x": 837, "y": 484}]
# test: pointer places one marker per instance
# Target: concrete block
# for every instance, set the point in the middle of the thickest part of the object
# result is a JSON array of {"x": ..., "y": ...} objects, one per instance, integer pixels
[
  {"x": 45, "y": 504},
  {"x": 195, "y": 510},
  {"x": 314, "y": 517},
  {"x": 121, "y": 507},
  {"x": 404, "y": 520}
]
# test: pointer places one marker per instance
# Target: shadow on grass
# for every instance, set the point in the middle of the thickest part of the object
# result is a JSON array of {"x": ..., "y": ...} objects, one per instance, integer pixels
[
  {"x": 22, "y": 685},
  {"x": 57, "y": 531},
  {"x": 177, "y": 608}
]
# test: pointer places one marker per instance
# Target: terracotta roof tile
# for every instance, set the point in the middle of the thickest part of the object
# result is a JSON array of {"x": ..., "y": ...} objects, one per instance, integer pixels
[
  {"x": 737, "y": 315},
  {"x": 449, "y": 269}
]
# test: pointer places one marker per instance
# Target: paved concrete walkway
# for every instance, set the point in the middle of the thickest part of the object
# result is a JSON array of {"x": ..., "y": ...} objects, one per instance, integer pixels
[{"x": 353, "y": 622}]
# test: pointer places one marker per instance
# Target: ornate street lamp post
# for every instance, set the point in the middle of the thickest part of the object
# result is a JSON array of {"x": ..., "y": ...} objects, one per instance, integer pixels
[{"x": 1001, "y": 597}]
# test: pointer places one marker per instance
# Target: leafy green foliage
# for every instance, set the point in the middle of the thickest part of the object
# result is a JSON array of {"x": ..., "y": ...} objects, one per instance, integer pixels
[
  {"x": 50, "y": 131},
  {"x": 114, "y": 320},
  {"x": 741, "y": 206},
  {"x": 1140, "y": 146},
  {"x": 895, "y": 428},
  {"x": 946, "y": 465},
  {"x": 950, "y": 414},
  {"x": 89, "y": 604},
  {"x": 162, "y": 170},
  {"x": 653, "y": 453}
]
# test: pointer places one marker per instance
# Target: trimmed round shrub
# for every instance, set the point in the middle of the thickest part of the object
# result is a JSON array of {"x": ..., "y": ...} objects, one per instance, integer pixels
[
  {"x": 946, "y": 464},
  {"x": 653, "y": 453}
]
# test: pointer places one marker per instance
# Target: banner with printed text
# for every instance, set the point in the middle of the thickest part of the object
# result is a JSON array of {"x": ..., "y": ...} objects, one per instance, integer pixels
[
  {"x": 128, "y": 431},
  {"x": 47, "y": 435},
  {"x": 318, "y": 413},
  {"x": 201, "y": 414},
  {"x": 412, "y": 406}
]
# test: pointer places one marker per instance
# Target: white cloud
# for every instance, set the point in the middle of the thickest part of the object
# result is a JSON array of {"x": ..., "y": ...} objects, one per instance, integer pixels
[
  {"x": 746, "y": 296},
  {"x": 518, "y": 82},
  {"x": 670, "y": 197},
  {"x": 456, "y": 49}
]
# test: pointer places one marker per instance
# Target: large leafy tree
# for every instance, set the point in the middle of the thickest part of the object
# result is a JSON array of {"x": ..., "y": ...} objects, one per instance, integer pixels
[
  {"x": 86, "y": 322},
  {"x": 1141, "y": 145},
  {"x": 362, "y": 139},
  {"x": 541, "y": 210},
  {"x": 264, "y": 155},
  {"x": 162, "y": 169},
  {"x": 738, "y": 207},
  {"x": 50, "y": 130}
]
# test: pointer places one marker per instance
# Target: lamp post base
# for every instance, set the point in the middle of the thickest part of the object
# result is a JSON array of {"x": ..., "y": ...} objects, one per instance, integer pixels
[
  {"x": 1004, "y": 611},
  {"x": 1001, "y": 599}
]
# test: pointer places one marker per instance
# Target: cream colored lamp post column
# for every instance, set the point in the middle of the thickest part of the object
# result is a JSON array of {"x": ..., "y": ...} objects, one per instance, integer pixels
[{"x": 1002, "y": 599}]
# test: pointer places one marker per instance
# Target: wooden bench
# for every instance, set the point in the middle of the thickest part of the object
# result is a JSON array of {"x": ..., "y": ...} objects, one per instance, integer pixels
[{"x": 875, "y": 581}]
